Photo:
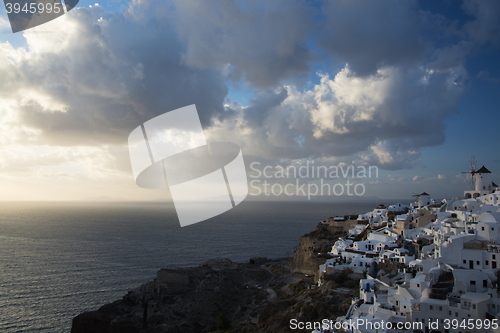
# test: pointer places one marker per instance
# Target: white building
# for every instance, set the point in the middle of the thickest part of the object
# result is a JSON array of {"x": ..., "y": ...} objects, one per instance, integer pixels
[
  {"x": 455, "y": 271},
  {"x": 340, "y": 245},
  {"x": 423, "y": 199},
  {"x": 483, "y": 183}
]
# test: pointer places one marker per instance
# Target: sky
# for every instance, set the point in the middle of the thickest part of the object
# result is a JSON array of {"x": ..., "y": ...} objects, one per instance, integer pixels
[{"x": 408, "y": 87}]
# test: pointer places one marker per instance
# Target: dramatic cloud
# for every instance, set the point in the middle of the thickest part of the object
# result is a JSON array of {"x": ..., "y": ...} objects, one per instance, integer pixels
[
  {"x": 90, "y": 81},
  {"x": 259, "y": 41},
  {"x": 385, "y": 118},
  {"x": 390, "y": 74},
  {"x": 369, "y": 35}
]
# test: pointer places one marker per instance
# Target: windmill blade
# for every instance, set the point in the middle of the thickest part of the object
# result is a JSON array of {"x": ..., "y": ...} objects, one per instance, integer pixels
[
  {"x": 472, "y": 171},
  {"x": 473, "y": 164}
]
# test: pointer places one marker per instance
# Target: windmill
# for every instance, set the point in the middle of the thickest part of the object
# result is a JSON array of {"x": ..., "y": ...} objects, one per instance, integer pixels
[
  {"x": 419, "y": 197},
  {"x": 472, "y": 171}
]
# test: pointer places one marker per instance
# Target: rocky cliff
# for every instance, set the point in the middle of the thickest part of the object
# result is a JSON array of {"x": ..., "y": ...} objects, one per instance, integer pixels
[
  {"x": 215, "y": 295},
  {"x": 223, "y": 296},
  {"x": 312, "y": 249}
]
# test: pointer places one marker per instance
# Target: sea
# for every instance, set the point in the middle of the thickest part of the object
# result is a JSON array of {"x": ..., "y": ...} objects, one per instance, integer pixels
[{"x": 58, "y": 260}]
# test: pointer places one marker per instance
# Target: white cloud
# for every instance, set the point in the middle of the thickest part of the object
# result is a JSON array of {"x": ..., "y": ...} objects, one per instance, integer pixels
[
  {"x": 382, "y": 154},
  {"x": 4, "y": 24},
  {"x": 382, "y": 119},
  {"x": 347, "y": 98}
]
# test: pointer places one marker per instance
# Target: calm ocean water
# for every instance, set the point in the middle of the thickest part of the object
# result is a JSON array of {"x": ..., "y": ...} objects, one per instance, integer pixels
[{"x": 60, "y": 259}]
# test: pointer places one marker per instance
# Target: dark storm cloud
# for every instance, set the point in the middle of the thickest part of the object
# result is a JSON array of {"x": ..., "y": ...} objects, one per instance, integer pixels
[
  {"x": 262, "y": 42},
  {"x": 371, "y": 34},
  {"x": 260, "y": 107}
]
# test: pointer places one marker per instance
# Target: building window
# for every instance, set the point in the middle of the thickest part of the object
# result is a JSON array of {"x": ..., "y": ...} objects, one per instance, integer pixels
[
  {"x": 493, "y": 264},
  {"x": 482, "y": 228},
  {"x": 431, "y": 307},
  {"x": 478, "y": 263},
  {"x": 456, "y": 314},
  {"x": 473, "y": 306},
  {"x": 493, "y": 306},
  {"x": 494, "y": 256},
  {"x": 485, "y": 283},
  {"x": 486, "y": 263},
  {"x": 440, "y": 308},
  {"x": 418, "y": 285},
  {"x": 449, "y": 312},
  {"x": 465, "y": 261}
]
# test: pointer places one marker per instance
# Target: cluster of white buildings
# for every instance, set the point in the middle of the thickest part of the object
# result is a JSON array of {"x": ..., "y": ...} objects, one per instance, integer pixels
[{"x": 435, "y": 266}]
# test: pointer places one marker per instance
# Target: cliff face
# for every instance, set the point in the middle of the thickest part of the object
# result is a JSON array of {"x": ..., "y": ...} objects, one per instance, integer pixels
[
  {"x": 305, "y": 259},
  {"x": 248, "y": 298},
  {"x": 219, "y": 295},
  {"x": 213, "y": 296}
]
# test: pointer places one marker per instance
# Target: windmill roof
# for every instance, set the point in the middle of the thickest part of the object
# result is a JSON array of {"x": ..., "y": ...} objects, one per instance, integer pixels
[{"x": 483, "y": 170}]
